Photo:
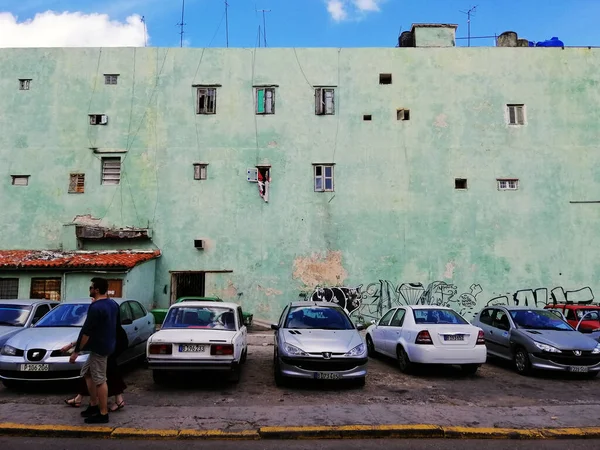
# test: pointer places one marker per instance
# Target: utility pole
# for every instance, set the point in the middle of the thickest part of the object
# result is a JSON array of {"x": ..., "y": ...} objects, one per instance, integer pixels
[
  {"x": 469, "y": 13},
  {"x": 263, "y": 11},
  {"x": 182, "y": 23},
  {"x": 227, "y": 23}
]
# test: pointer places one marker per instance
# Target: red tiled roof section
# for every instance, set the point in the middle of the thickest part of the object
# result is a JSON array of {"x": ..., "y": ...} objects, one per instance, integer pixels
[{"x": 32, "y": 259}]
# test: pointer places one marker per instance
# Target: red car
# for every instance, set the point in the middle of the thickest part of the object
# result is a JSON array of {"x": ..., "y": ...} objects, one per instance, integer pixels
[{"x": 574, "y": 314}]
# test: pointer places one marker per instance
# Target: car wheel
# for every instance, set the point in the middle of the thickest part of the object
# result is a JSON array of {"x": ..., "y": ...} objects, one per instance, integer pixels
[
  {"x": 235, "y": 374},
  {"x": 403, "y": 360},
  {"x": 159, "y": 376},
  {"x": 370, "y": 346},
  {"x": 277, "y": 375},
  {"x": 522, "y": 362},
  {"x": 469, "y": 369},
  {"x": 244, "y": 356}
]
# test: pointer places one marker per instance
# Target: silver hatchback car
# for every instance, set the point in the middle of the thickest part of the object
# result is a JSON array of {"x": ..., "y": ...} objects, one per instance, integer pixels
[
  {"x": 536, "y": 338},
  {"x": 317, "y": 340}
]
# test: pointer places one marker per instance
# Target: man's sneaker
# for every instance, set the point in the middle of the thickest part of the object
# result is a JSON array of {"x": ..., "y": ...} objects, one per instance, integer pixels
[
  {"x": 90, "y": 411},
  {"x": 98, "y": 418}
]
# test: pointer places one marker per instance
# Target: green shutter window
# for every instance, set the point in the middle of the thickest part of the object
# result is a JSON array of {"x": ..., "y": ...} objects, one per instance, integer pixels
[{"x": 260, "y": 101}]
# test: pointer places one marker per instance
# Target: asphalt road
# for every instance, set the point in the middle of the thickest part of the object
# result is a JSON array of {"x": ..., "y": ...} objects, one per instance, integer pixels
[{"x": 423, "y": 444}]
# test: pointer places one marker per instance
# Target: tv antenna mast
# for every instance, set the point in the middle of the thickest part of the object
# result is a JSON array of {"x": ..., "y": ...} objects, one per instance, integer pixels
[
  {"x": 263, "y": 11},
  {"x": 469, "y": 13},
  {"x": 227, "y": 23},
  {"x": 143, "y": 20},
  {"x": 182, "y": 24}
]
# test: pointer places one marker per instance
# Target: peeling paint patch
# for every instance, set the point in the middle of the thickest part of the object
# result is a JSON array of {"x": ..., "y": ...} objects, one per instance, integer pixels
[
  {"x": 441, "y": 121},
  {"x": 87, "y": 219},
  {"x": 320, "y": 270},
  {"x": 269, "y": 292},
  {"x": 449, "y": 273}
]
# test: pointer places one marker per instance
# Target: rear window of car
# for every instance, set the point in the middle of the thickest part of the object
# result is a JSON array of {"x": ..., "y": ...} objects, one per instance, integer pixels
[
  {"x": 201, "y": 317},
  {"x": 438, "y": 316},
  {"x": 318, "y": 318}
]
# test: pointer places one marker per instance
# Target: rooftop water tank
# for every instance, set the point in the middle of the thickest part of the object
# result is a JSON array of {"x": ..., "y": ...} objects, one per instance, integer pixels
[{"x": 554, "y": 42}]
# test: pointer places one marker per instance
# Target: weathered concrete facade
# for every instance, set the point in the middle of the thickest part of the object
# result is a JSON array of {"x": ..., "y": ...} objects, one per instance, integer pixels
[{"x": 395, "y": 216}]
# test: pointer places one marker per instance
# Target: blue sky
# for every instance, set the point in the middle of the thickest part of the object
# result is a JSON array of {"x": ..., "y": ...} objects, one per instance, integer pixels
[{"x": 355, "y": 23}]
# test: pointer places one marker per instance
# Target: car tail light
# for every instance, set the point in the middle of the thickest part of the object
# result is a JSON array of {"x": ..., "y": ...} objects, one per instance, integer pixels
[
  {"x": 424, "y": 338},
  {"x": 480, "y": 338},
  {"x": 221, "y": 350},
  {"x": 161, "y": 349}
]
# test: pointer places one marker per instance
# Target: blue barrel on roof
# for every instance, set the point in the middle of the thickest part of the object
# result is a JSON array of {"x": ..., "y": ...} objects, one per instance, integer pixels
[{"x": 554, "y": 42}]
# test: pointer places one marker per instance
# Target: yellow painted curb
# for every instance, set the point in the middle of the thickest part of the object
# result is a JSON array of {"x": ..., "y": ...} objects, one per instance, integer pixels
[
  {"x": 352, "y": 432},
  {"x": 19, "y": 429},
  {"x": 219, "y": 434},
  {"x": 490, "y": 433},
  {"x": 140, "y": 433},
  {"x": 571, "y": 433}
]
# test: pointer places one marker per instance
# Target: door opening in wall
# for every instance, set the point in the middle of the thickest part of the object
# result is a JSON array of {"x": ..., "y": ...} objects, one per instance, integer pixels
[
  {"x": 115, "y": 288},
  {"x": 187, "y": 284}
]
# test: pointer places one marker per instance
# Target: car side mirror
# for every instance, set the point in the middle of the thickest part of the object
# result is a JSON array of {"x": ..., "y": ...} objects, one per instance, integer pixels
[
  {"x": 126, "y": 322},
  {"x": 373, "y": 322},
  {"x": 274, "y": 327},
  {"x": 360, "y": 326}
]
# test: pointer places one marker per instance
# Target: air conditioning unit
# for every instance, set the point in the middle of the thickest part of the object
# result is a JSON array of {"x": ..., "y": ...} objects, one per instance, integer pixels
[
  {"x": 199, "y": 244},
  {"x": 252, "y": 175}
]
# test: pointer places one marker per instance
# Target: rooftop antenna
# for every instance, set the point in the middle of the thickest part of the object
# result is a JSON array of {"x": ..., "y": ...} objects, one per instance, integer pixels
[
  {"x": 469, "y": 13},
  {"x": 263, "y": 11},
  {"x": 182, "y": 23},
  {"x": 143, "y": 20},
  {"x": 227, "y": 23}
]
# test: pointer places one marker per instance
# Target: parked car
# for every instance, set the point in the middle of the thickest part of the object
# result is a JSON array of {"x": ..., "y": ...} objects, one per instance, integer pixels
[
  {"x": 427, "y": 335},
  {"x": 35, "y": 353},
  {"x": 584, "y": 318},
  {"x": 17, "y": 315},
  {"x": 535, "y": 338},
  {"x": 317, "y": 340},
  {"x": 199, "y": 336},
  {"x": 160, "y": 313}
]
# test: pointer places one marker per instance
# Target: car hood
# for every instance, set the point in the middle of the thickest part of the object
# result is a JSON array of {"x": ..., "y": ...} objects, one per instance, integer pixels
[
  {"x": 318, "y": 341},
  {"x": 46, "y": 338},
  {"x": 7, "y": 332},
  {"x": 195, "y": 336},
  {"x": 564, "y": 340},
  {"x": 595, "y": 335}
]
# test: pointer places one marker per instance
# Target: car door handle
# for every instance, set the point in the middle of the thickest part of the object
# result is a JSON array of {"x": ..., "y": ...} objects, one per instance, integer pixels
[
  {"x": 491, "y": 332},
  {"x": 136, "y": 328}
]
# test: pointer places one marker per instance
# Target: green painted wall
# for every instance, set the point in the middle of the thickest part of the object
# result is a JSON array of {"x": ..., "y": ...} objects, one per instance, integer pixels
[
  {"x": 139, "y": 284},
  {"x": 394, "y": 216}
]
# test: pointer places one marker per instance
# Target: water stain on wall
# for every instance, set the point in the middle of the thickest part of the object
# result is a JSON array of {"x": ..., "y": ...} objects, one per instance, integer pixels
[{"x": 320, "y": 270}]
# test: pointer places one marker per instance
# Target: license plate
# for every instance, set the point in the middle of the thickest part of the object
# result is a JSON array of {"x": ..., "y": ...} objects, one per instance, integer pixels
[
  {"x": 579, "y": 369},
  {"x": 191, "y": 348},
  {"x": 35, "y": 368},
  {"x": 327, "y": 376},
  {"x": 454, "y": 337}
]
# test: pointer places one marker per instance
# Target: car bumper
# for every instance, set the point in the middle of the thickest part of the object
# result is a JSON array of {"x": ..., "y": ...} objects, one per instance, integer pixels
[
  {"x": 428, "y": 354},
  {"x": 538, "y": 362},
  {"x": 179, "y": 364},
  {"x": 342, "y": 368},
  {"x": 56, "y": 371}
]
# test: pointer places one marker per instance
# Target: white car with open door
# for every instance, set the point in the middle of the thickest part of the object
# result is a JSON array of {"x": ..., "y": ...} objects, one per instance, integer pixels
[
  {"x": 199, "y": 336},
  {"x": 427, "y": 335}
]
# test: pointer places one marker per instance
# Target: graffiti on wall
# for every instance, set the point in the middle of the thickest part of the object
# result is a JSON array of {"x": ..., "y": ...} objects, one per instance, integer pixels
[{"x": 365, "y": 304}]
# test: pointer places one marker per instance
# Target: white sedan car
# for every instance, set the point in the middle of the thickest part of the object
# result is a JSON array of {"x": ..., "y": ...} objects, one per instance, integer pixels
[
  {"x": 427, "y": 335},
  {"x": 199, "y": 336}
]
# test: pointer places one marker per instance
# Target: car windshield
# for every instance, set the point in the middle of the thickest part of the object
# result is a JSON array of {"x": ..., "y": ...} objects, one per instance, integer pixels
[
  {"x": 539, "y": 320},
  {"x": 213, "y": 318},
  {"x": 65, "y": 315},
  {"x": 318, "y": 318},
  {"x": 438, "y": 316},
  {"x": 590, "y": 314},
  {"x": 14, "y": 315}
]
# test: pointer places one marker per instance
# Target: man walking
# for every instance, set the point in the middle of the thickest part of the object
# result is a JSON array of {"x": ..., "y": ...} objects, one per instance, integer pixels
[{"x": 98, "y": 336}]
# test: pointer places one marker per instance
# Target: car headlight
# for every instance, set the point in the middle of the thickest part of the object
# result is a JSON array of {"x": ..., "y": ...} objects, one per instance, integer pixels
[
  {"x": 547, "y": 348},
  {"x": 293, "y": 351},
  {"x": 596, "y": 350},
  {"x": 356, "y": 351},
  {"x": 7, "y": 350}
]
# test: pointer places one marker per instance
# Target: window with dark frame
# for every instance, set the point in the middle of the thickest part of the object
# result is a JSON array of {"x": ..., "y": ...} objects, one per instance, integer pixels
[
  {"x": 45, "y": 288},
  {"x": 111, "y": 171},
  {"x": 367, "y": 117},
  {"x": 516, "y": 114},
  {"x": 200, "y": 171},
  {"x": 324, "y": 101},
  {"x": 207, "y": 100},
  {"x": 265, "y": 100},
  {"x": 98, "y": 119},
  {"x": 20, "y": 180},
  {"x": 460, "y": 183},
  {"x": 323, "y": 176},
  {"x": 24, "y": 84},
  {"x": 9, "y": 288},
  {"x": 76, "y": 183},
  {"x": 111, "y": 79}
]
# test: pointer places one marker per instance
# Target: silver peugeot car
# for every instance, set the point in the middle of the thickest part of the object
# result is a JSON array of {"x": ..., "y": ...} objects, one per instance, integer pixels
[
  {"x": 535, "y": 338},
  {"x": 35, "y": 353},
  {"x": 317, "y": 340}
]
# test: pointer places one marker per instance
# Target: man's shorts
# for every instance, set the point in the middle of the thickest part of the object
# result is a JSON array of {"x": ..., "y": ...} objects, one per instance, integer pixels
[{"x": 96, "y": 366}]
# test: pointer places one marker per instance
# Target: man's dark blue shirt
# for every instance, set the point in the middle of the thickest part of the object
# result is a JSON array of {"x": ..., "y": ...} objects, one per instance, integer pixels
[{"x": 101, "y": 327}]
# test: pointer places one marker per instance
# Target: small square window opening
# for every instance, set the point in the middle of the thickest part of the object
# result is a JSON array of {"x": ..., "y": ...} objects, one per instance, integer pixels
[
  {"x": 367, "y": 117},
  {"x": 200, "y": 171},
  {"x": 508, "y": 184},
  {"x": 460, "y": 183},
  {"x": 77, "y": 183},
  {"x": 207, "y": 101},
  {"x": 324, "y": 101},
  {"x": 385, "y": 78},
  {"x": 516, "y": 114},
  {"x": 111, "y": 79},
  {"x": 98, "y": 119},
  {"x": 20, "y": 180},
  {"x": 9, "y": 288},
  {"x": 111, "y": 171},
  {"x": 265, "y": 100},
  {"x": 24, "y": 84},
  {"x": 403, "y": 114},
  {"x": 323, "y": 174}
]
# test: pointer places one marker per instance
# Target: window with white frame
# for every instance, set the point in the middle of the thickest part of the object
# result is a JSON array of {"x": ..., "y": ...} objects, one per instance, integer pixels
[
  {"x": 324, "y": 101},
  {"x": 207, "y": 100},
  {"x": 200, "y": 171},
  {"x": 24, "y": 84},
  {"x": 265, "y": 100},
  {"x": 508, "y": 184},
  {"x": 20, "y": 180},
  {"x": 323, "y": 174},
  {"x": 111, "y": 79},
  {"x": 111, "y": 171},
  {"x": 516, "y": 114}
]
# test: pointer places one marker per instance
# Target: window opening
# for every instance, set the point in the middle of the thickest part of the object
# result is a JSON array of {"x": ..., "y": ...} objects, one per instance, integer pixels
[
  {"x": 98, "y": 119},
  {"x": 323, "y": 177},
  {"x": 200, "y": 171},
  {"x": 9, "y": 288},
  {"x": 76, "y": 183},
  {"x": 516, "y": 114},
  {"x": 508, "y": 184},
  {"x": 111, "y": 171},
  {"x": 207, "y": 100},
  {"x": 385, "y": 78},
  {"x": 403, "y": 114},
  {"x": 367, "y": 117},
  {"x": 111, "y": 79},
  {"x": 45, "y": 288},
  {"x": 324, "y": 101},
  {"x": 265, "y": 100},
  {"x": 20, "y": 180},
  {"x": 460, "y": 183},
  {"x": 24, "y": 84},
  {"x": 263, "y": 179}
]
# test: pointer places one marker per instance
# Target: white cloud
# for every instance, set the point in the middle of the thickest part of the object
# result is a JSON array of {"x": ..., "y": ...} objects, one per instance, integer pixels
[
  {"x": 341, "y": 10},
  {"x": 337, "y": 10},
  {"x": 52, "y": 29},
  {"x": 367, "y": 5}
]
